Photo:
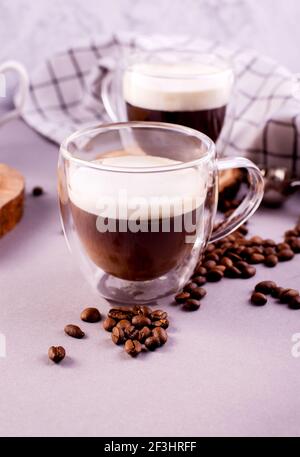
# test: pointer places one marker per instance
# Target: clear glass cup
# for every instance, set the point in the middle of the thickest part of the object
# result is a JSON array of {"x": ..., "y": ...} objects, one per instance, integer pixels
[
  {"x": 138, "y": 202},
  {"x": 179, "y": 87}
]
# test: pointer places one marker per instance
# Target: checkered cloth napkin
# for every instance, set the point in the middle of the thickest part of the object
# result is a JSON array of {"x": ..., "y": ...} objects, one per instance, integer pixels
[{"x": 263, "y": 121}]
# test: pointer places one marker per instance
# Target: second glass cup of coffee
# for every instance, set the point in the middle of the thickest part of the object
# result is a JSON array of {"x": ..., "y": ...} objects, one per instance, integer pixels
[
  {"x": 185, "y": 88},
  {"x": 138, "y": 203}
]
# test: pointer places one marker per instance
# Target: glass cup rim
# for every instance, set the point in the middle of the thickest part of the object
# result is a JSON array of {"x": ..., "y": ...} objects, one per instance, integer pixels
[
  {"x": 103, "y": 128},
  {"x": 227, "y": 64}
]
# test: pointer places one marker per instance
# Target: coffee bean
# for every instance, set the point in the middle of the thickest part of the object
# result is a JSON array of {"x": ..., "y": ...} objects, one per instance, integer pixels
[
  {"x": 268, "y": 243},
  {"x": 74, "y": 331},
  {"x": 140, "y": 321},
  {"x": 158, "y": 314},
  {"x": 227, "y": 262},
  {"x": 214, "y": 275},
  {"x": 152, "y": 342},
  {"x": 109, "y": 324},
  {"x": 271, "y": 261},
  {"x": 199, "y": 280},
  {"x": 295, "y": 245},
  {"x": 200, "y": 270},
  {"x": 295, "y": 303},
  {"x": 146, "y": 310},
  {"x": 265, "y": 287},
  {"x": 117, "y": 335},
  {"x": 232, "y": 272},
  {"x": 290, "y": 233},
  {"x": 144, "y": 333},
  {"x": 269, "y": 251},
  {"x": 234, "y": 257},
  {"x": 282, "y": 246},
  {"x": 256, "y": 240},
  {"x": 248, "y": 272},
  {"x": 191, "y": 305},
  {"x": 181, "y": 297},
  {"x": 256, "y": 258},
  {"x": 37, "y": 191},
  {"x": 118, "y": 314},
  {"x": 285, "y": 255},
  {"x": 161, "y": 334},
  {"x": 209, "y": 264},
  {"x": 164, "y": 323},
  {"x": 275, "y": 293},
  {"x": 90, "y": 315},
  {"x": 221, "y": 268},
  {"x": 133, "y": 347},
  {"x": 124, "y": 323},
  {"x": 198, "y": 293},
  {"x": 287, "y": 295},
  {"x": 258, "y": 299},
  {"x": 131, "y": 332},
  {"x": 212, "y": 256},
  {"x": 56, "y": 353},
  {"x": 190, "y": 286}
]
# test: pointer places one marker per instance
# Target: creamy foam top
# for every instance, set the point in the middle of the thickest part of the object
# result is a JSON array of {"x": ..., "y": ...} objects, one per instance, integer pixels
[
  {"x": 143, "y": 195},
  {"x": 183, "y": 87}
]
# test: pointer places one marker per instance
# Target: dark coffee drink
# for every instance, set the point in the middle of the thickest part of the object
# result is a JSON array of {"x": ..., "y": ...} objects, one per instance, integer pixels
[
  {"x": 194, "y": 95},
  {"x": 209, "y": 121},
  {"x": 145, "y": 232}
]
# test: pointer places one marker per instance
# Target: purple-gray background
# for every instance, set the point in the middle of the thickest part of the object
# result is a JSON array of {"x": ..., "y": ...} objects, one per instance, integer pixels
[{"x": 228, "y": 369}]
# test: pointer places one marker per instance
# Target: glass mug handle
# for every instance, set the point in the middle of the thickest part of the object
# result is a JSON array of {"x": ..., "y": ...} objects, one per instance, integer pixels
[
  {"x": 23, "y": 88},
  {"x": 250, "y": 203},
  {"x": 106, "y": 96}
]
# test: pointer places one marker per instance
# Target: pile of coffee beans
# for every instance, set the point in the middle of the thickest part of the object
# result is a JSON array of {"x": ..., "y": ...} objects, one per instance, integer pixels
[
  {"x": 137, "y": 328},
  {"x": 234, "y": 257},
  {"x": 290, "y": 297}
]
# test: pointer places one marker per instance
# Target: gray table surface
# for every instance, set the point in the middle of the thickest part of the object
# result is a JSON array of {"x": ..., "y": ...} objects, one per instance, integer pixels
[{"x": 227, "y": 369}]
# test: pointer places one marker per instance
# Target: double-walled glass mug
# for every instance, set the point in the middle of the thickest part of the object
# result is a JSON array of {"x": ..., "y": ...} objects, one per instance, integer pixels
[
  {"x": 138, "y": 203},
  {"x": 180, "y": 87}
]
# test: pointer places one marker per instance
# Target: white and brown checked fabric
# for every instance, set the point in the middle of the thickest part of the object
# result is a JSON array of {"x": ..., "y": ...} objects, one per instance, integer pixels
[{"x": 263, "y": 120}]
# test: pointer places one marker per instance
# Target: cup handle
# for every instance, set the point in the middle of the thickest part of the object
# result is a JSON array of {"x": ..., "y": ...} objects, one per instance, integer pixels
[
  {"x": 250, "y": 203},
  {"x": 106, "y": 99},
  {"x": 22, "y": 92}
]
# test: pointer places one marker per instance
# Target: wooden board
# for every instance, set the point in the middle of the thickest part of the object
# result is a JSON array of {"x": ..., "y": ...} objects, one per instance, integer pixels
[{"x": 12, "y": 185}]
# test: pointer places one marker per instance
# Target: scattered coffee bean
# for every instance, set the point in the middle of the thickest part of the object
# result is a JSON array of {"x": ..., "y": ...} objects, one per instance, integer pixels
[
  {"x": 288, "y": 295},
  {"x": 74, "y": 331},
  {"x": 90, "y": 315},
  {"x": 200, "y": 270},
  {"x": 209, "y": 264},
  {"x": 182, "y": 297},
  {"x": 271, "y": 260},
  {"x": 269, "y": 251},
  {"x": 146, "y": 310},
  {"x": 109, "y": 324},
  {"x": 140, "y": 321},
  {"x": 152, "y": 343},
  {"x": 256, "y": 258},
  {"x": 277, "y": 291},
  {"x": 133, "y": 347},
  {"x": 285, "y": 255},
  {"x": 158, "y": 314},
  {"x": 232, "y": 272},
  {"x": 190, "y": 286},
  {"x": 198, "y": 293},
  {"x": 131, "y": 332},
  {"x": 123, "y": 324},
  {"x": 282, "y": 246},
  {"x": 265, "y": 287},
  {"x": 214, "y": 275},
  {"x": 295, "y": 245},
  {"x": 164, "y": 323},
  {"x": 295, "y": 303},
  {"x": 56, "y": 353},
  {"x": 199, "y": 280},
  {"x": 117, "y": 335},
  {"x": 268, "y": 243},
  {"x": 161, "y": 334},
  {"x": 248, "y": 272},
  {"x": 258, "y": 299},
  {"x": 191, "y": 305},
  {"x": 144, "y": 333},
  {"x": 119, "y": 314},
  {"x": 227, "y": 262},
  {"x": 37, "y": 191}
]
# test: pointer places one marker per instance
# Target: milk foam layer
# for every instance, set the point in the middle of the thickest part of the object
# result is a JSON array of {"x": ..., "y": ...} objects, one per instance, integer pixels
[
  {"x": 144, "y": 195},
  {"x": 177, "y": 87}
]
